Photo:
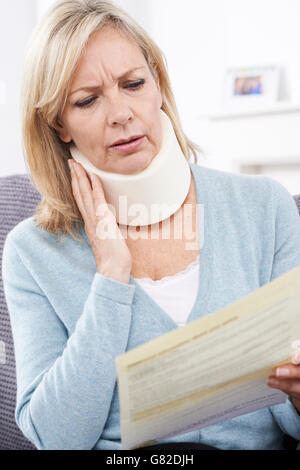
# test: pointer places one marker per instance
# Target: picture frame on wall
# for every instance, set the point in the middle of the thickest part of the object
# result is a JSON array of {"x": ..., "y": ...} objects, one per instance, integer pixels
[{"x": 245, "y": 86}]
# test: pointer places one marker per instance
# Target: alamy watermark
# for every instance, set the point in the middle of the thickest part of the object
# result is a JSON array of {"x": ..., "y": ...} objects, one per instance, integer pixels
[
  {"x": 2, "y": 353},
  {"x": 181, "y": 227}
]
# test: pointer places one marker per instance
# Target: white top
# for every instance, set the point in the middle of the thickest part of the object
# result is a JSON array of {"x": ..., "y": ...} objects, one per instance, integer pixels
[{"x": 177, "y": 294}]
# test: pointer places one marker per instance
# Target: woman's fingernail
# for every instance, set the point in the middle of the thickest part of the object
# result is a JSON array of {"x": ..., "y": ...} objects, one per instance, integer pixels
[
  {"x": 296, "y": 358},
  {"x": 282, "y": 372},
  {"x": 273, "y": 382},
  {"x": 70, "y": 164}
]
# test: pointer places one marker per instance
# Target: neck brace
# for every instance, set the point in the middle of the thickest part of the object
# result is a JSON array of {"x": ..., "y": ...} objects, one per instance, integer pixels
[{"x": 152, "y": 195}]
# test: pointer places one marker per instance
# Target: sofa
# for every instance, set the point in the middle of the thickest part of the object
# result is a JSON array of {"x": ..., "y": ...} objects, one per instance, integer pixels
[{"x": 18, "y": 199}]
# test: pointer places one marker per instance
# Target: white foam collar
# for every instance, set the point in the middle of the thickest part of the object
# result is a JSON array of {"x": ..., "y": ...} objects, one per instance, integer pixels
[{"x": 155, "y": 193}]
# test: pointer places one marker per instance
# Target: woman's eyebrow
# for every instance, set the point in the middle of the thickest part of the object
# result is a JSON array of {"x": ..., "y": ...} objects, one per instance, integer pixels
[{"x": 97, "y": 87}]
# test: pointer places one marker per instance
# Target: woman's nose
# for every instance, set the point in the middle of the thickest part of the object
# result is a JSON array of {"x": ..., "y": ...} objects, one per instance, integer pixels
[{"x": 118, "y": 112}]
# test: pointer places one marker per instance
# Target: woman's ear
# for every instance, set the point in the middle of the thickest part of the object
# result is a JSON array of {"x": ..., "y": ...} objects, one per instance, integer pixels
[
  {"x": 62, "y": 132},
  {"x": 159, "y": 90}
]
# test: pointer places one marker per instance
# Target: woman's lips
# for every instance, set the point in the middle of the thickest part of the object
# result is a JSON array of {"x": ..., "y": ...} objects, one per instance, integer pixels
[{"x": 130, "y": 147}]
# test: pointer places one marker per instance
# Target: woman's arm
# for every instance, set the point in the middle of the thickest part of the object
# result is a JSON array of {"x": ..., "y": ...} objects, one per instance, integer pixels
[
  {"x": 64, "y": 384},
  {"x": 286, "y": 257}
]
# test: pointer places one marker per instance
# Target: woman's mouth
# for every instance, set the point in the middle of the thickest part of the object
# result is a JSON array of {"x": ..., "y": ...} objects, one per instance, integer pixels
[{"x": 130, "y": 146}]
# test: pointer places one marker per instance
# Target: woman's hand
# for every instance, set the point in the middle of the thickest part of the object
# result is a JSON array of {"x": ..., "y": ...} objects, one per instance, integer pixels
[
  {"x": 112, "y": 256},
  {"x": 287, "y": 379}
]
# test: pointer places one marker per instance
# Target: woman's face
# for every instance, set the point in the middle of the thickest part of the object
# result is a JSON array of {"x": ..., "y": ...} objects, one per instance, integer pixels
[{"x": 113, "y": 96}]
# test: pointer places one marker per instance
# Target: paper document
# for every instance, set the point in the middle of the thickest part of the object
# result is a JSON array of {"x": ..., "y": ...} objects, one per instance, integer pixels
[{"x": 213, "y": 369}]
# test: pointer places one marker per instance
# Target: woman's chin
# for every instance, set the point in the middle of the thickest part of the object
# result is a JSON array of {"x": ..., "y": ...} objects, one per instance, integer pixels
[{"x": 135, "y": 163}]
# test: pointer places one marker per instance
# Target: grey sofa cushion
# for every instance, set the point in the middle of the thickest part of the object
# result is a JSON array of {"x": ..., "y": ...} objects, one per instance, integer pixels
[{"x": 18, "y": 199}]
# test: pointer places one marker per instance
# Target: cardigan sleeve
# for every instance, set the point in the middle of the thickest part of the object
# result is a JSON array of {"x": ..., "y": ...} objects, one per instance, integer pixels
[
  {"x": 64, "y": 384},
  {"x": 286, "y": 257}
]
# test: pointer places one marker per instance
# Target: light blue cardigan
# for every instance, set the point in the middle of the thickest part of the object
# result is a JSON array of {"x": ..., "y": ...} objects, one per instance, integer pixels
[{"x": 69, "y": 322}]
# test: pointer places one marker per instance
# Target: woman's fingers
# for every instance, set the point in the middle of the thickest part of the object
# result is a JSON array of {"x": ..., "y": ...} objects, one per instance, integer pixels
[
  {"x": 111, "y": 252},
  {"x": 101, "y": 207},
  {"x": 97, "y": 214},
  {"x": 290, "y": 386},
  {"x": 97, "y": 187},
  {"x": 76, "y": 191},
  {"x": 287, "y": 379},
  {"x": 296, "y": 357},
  {"x": 84, "y": 196},
  {"x": 85, "y": 188}
]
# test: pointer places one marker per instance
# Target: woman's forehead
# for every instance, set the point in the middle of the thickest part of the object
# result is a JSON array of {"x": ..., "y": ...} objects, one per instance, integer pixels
[
  {"x": 111, "y": 51},
  {"x": 111, "y": 43}
]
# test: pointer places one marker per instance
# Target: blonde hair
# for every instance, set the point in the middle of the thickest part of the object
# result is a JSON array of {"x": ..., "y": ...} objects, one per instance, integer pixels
[{"x": 52, "y": 54}]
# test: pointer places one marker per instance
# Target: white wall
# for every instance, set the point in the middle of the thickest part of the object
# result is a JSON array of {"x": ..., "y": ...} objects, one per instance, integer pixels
[
  {"x": 203, "y": 38},
  {"x": 200, "y": 39},
  {"x": 139, "y": 9},
  {"x": 42, "y": 6},
  {"x": 16, "y": 22}
]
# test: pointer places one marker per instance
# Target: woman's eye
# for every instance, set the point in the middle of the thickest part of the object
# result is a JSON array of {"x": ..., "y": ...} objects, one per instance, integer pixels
[
  {"x": 90, "y": 101},
  {"x": 85, "y": 104},
  {"x": 135, "y": 85}
]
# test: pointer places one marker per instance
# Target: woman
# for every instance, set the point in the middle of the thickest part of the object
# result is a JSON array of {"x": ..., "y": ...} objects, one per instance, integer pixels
[{"x": 77, "y": 303}]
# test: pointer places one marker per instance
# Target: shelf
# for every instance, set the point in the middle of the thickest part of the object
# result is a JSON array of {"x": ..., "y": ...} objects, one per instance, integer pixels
[
  {"x": 275, "y": 160},
  {"x": 253, "y": 110}
]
